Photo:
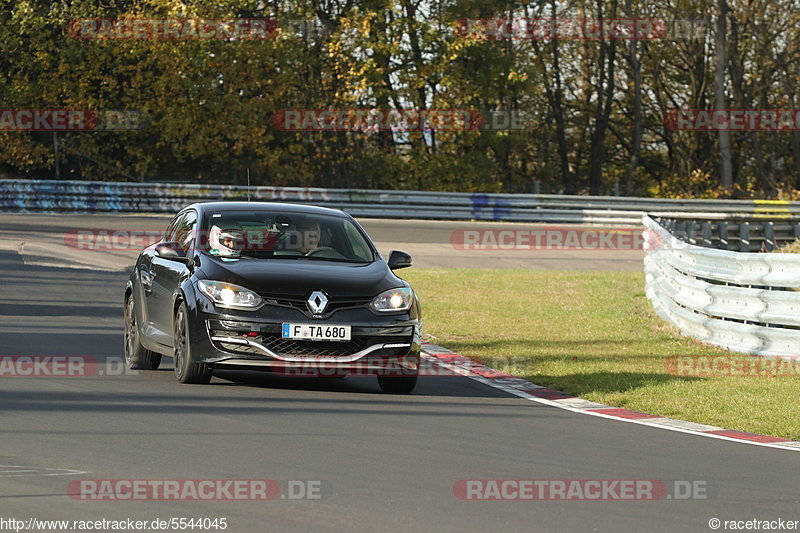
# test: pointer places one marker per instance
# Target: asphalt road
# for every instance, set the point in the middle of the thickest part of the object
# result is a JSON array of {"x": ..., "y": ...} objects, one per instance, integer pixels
[{"x": 384, "y": 463}]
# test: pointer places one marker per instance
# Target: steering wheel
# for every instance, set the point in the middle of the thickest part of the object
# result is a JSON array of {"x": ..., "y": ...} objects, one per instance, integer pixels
[{"x": 323, "y": 249}]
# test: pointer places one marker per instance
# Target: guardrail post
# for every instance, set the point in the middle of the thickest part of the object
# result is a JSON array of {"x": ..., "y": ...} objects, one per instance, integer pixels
[
  {"x": 769, "y": 236},
  {"x": 744, "y": 236},
  {"x": 680, "y": 230},
  {"x": 722, "y": 227},
  {"x": 691, "y": 232},
  {"x": 706, "y": 233}
]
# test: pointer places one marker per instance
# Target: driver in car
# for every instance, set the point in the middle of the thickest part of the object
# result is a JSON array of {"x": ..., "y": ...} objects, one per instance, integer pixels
[
  {"x": 310, "y": 233},
  {"x": 226, "y": 243}
]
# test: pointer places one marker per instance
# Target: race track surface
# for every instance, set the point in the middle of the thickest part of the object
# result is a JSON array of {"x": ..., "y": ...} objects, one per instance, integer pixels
[{"x": 383, "y": 462}]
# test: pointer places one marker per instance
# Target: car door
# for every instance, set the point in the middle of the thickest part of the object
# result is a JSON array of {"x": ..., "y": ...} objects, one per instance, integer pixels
[
  {"x": 145, "y": 275},
  {"x": 166, "y": 277}
]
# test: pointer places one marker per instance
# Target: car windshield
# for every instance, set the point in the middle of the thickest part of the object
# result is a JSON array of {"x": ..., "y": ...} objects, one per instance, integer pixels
[{"x": 233, "y": 235}]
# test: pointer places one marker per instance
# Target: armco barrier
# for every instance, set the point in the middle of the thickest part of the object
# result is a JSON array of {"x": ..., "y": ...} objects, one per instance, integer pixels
[
  {"x": 746, "y": 302},
  {"x": 54, "y": 196},
  {"x": 744, "y": 233}
]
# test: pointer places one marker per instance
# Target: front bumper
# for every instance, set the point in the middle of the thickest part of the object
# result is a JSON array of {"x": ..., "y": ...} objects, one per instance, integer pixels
[{"x": 238, "y": 339}]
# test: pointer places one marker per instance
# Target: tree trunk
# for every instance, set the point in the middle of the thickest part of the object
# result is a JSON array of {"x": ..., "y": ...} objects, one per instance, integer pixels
[
  {"x": 636, "y": 73},
  {"x": 726, "y": 168},
  {"x": 605, "y": 99}
]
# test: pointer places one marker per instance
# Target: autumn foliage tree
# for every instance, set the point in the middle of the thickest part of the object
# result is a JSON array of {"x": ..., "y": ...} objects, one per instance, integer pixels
[{"x": 593, "y": 108}]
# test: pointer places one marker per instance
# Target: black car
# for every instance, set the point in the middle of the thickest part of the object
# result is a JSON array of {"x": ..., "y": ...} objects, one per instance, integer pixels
[{"x": 292, "y": 289}]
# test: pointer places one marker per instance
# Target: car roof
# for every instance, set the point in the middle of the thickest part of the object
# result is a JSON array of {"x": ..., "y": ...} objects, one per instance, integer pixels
[{"x": 266, "y": 206}]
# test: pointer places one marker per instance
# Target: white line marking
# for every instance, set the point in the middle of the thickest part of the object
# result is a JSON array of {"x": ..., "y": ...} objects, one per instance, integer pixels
[
  {"x": 660, "y": 423},
  {"x": 23, "y": 471}
]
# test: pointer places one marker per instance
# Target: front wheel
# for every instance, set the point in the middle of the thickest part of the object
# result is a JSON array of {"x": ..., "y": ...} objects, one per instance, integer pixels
[
  {"x": 397, "y": 385},
  {"x": 185, "y": 370},
  {"x": 136, "y": 356}
]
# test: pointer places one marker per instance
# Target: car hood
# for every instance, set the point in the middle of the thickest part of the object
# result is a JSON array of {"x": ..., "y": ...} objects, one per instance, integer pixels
[{"x": 292, "y": 277}]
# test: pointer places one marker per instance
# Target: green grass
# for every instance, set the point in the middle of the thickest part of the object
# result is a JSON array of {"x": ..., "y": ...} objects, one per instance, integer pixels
[
  {"x": 594, "y": 335},
  {"x": 791, "y": 248}
]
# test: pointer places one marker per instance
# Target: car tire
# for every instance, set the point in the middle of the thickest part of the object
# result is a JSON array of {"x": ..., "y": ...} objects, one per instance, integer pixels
[
  {"x": 185, "y": 370},
  {"x": 397, "y": 385},
  {"x": 136, "y": 356}
]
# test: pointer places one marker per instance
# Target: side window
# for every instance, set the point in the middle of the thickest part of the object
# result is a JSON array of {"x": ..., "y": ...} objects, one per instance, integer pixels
[
  {"x": 169, "y": 235},
  {"x": 184, "y": 232}
]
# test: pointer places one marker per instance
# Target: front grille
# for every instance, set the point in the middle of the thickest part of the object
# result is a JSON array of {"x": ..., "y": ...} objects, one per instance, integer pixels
[
  {"x": 314, "y": 348},
  {"x": 293, "y": 347},
  {"x": 334, "y": 304}
]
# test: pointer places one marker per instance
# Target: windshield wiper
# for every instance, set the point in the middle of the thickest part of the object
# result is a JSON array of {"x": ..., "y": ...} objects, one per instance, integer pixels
[{"x": 333, "y": 259}]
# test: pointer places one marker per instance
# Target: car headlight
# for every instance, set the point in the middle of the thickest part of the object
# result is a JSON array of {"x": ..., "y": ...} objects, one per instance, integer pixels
[
  {"x": 229, "y": 295},
  {"x": 399, "y": 299}
]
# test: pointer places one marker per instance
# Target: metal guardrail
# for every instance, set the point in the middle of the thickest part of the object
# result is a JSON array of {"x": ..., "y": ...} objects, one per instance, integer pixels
[
  {"x": 743, "y": 233},
  {"x": 746, "y": 302},
  {"x": 54, "y": 196}
]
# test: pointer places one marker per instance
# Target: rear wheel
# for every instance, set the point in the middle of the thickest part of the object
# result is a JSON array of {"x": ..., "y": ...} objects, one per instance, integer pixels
[
  {"x": 136, "y": 356},
  {"x": 185, "y": 370}
]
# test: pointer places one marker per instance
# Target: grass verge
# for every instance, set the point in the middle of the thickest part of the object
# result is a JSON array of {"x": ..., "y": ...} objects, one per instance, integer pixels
[{"x": 594, "y": 335}]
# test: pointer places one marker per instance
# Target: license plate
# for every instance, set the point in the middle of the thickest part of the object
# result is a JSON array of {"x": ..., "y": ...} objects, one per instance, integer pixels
[{"x": 316, "y": 332}]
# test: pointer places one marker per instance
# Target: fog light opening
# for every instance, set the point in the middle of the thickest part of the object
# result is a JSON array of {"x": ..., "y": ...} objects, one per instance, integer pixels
[{"x": 408, "y": 364}]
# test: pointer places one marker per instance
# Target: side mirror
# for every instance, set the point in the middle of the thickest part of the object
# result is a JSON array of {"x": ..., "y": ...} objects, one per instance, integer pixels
[
  {"x": 172, "y": 252},
  {"x": 398, "y": 259}
]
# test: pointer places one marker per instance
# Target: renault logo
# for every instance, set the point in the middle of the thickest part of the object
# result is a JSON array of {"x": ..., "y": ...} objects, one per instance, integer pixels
[{"x": 317, "y": 302}]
